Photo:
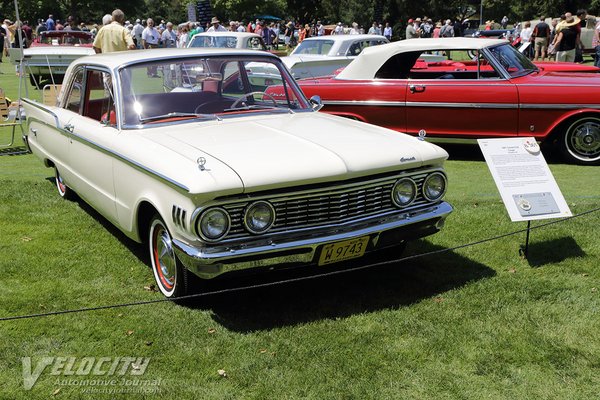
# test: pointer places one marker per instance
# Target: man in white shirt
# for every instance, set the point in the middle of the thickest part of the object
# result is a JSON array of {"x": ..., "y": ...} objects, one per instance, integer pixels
[
  {"x": 169, "y": 37},
  {"x": 150, "y": 35},
  {"x": 215, "y": 26},
  {"x": 136, "y": 32}
]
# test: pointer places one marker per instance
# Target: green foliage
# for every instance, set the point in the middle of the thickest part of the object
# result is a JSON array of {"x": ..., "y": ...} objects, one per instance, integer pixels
[{"x": 328, "y": 11}]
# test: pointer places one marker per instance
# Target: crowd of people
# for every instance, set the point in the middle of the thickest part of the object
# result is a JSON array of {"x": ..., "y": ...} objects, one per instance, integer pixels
[{"x": 561, "y": 38}]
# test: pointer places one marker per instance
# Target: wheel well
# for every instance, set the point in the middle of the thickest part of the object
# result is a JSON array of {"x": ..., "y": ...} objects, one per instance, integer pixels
[
  {"x": 144, "y": 214},
  {"x": 560, "y": 128}
]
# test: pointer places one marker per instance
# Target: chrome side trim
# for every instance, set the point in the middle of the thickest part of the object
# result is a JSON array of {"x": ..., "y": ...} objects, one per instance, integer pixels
[
  {"x": 43, "y": 108},
  {"x": 507, "y": 106},
  {"x": 127, "y": 160},
  {"x": 209, "y": 262},
  {"x": 559, "y": 106},
  {"x": 363, "y": 103}
]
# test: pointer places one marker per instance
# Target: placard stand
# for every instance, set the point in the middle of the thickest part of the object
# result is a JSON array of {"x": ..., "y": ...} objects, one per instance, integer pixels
[
  {"x": 526, "y": 185},
  {"x": 524, "y": 250}
]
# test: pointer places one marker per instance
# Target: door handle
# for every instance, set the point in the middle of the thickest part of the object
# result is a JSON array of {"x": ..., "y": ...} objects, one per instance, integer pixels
[
  {"x": 34, "y": 131},
  {"x": 416, "y": 88},
  {"x": 69, "y": 128}
]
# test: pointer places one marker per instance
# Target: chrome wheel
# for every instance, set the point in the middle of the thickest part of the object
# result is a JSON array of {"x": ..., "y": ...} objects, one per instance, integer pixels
[
  {"x": 63, "y": 189},
  {"x": 582, "y": 141},
  {"x": 165, "y": 265}
]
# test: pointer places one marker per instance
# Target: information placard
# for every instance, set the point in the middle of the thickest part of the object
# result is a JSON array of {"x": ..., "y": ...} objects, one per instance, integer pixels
[{"x": 525, "y": 182}]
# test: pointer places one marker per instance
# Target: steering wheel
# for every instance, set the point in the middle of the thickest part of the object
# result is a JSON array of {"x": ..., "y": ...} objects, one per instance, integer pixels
[
  {"x": 246, "y": 95},
  {"x": 198, "y": 109}
]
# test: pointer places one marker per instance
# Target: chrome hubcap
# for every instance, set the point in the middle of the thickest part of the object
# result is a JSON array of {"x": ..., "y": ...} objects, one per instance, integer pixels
[
  {"x": 165, "y": 258},
  {"x": 584, "y": 140}
]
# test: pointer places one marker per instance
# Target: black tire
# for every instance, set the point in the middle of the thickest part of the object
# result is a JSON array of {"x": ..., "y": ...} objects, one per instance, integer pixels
[
  {"x": 35, "y": 81},
  {"x": 170, "y": 275},
  {"x": 581, "y": 141},
  {"x": 63, "y": 190}
]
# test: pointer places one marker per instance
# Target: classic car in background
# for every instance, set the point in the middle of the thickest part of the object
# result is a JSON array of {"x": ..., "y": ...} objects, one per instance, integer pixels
[
  {"x": 231, "y": 40},
  {"x": 51, "y": 53},
  {"x": 322, "y": 55},
  {"x": 484, "y": 88},
  {"x": 218, "y": 176}
]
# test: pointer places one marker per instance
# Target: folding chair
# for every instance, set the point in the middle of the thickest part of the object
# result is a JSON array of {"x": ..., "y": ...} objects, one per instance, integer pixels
[
  {"x": 9, "y": 117},
  {"x": 50, "y": 94}
]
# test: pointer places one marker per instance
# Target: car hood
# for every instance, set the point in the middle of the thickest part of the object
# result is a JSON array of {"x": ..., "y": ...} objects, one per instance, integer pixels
[{"x": 295, "y": 149}]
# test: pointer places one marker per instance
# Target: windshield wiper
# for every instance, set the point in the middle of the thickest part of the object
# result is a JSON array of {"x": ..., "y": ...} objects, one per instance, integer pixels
[
  {"x": 176, "y": 115},
  {"x": 251, "y": 107}
]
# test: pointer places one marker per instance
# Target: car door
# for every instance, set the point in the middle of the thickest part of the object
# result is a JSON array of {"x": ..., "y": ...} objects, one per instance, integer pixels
[
  {"x": 461, "y": 99},
  {"x": 92, "y": 134}
]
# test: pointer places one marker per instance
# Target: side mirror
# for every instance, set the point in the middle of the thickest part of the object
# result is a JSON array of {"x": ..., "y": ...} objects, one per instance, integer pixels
[{"x": 316, "y": 102}]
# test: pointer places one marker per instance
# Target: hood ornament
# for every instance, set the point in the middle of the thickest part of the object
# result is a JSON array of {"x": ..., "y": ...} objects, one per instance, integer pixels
[
  {"x": 422, "y": 134},
  {"x": 201, "y": 162}
]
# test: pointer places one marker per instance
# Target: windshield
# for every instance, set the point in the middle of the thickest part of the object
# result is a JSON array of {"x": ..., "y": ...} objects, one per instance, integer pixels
[
  {"x": 65, "y": 39},
  {"x": 319, "y": 47},
  {"x": 513, "y": 62},
  {"x": 214, "y": 41},
  {"x": 206, "y": 87}
]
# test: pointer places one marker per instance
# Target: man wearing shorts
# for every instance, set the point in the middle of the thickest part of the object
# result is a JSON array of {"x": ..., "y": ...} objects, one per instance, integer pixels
[{"x": 541, "y": 32}]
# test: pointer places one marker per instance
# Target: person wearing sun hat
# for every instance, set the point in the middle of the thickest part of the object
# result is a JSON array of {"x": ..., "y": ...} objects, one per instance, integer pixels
[
  {"x": 215, "y": 26},
  {"x": 567, "y": 39}
]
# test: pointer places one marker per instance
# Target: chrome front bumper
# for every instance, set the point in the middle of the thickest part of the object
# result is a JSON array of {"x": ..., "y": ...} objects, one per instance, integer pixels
[{"x": 303, "y": 248}]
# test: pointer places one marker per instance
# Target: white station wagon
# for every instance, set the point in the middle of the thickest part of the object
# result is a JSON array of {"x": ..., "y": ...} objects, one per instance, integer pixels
[{"x": 216, "y": 176}]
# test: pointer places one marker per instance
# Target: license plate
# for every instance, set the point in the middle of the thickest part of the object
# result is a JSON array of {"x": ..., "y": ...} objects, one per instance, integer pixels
[{"x": 345, "y": 250}]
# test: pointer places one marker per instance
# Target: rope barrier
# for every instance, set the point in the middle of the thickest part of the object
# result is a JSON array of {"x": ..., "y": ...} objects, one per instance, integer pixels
[{"x": 298, "y": 279}]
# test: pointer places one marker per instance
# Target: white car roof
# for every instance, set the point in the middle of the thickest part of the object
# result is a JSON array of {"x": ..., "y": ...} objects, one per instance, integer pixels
[
  {"x": 370, "y": 60},
  {"x": 343, "y": 38},
  {"x": 119, "y": 58},
  {"x": 228, "y": 33}
]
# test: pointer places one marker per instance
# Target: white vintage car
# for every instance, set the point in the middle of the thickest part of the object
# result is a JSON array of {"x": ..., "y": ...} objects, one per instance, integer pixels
[
  {"x": 323, "y": 55},
  {"x": 216, "y": 176},
  {"x": 230, "y": 40}
]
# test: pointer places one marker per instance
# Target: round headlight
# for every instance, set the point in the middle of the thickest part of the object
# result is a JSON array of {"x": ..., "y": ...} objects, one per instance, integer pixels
[
  {"x": 434, "y": 186},
  {"x": 213, "y": 224},
  {"x": 404, "y": 192},
  {"x": 259, "y": 217}
]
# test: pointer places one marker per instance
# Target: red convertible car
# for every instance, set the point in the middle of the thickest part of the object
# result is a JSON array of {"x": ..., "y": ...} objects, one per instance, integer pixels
[{"x": 467, "y": 88}]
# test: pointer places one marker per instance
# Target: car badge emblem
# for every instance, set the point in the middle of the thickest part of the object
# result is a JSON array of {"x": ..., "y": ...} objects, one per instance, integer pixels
[{"x": 422, "y": 134}]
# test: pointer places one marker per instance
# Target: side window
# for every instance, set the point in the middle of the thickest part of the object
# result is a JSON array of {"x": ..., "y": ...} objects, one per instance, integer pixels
[
  {"x": 74, "y": 96},
  {"x": 233, "y": 85},
  {"x": 99, "y": 103},
  {"x": 355, "y": 49}
]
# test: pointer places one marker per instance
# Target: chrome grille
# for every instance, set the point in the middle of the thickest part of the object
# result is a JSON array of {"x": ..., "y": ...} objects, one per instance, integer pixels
[{"x": 334, "y": 205}]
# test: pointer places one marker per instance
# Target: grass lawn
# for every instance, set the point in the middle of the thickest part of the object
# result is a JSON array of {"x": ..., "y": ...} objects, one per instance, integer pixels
[{"x": 476, "y": 323}]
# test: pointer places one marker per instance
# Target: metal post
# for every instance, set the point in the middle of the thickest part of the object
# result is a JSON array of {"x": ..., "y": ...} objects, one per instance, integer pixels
[
  {"x": 526, "y": 250},
  {"x": 480, "y": 14}
]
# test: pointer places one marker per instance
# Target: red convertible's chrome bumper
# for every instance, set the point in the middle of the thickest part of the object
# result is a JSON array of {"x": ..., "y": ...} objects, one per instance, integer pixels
[{"x": 303, "y": 248}]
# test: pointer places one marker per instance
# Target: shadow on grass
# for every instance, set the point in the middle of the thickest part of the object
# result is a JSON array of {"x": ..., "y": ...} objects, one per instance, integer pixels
[
  {"x": 136, "y": 249},
  {"x": 390, "y": 286},
  {"x": 13, "y": 151},
  {"x": 384, "y": 287},
  {"x": 553, "y": 251}
]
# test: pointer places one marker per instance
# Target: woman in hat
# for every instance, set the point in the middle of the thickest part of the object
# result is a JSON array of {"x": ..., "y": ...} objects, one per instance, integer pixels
[{"x": 567, "y": 39}]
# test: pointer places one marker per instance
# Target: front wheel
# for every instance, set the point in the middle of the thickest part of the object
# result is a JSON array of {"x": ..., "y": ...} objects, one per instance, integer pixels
[
  {"x": 169, "y": 273},
  {"x": 581, "y": 143}
]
